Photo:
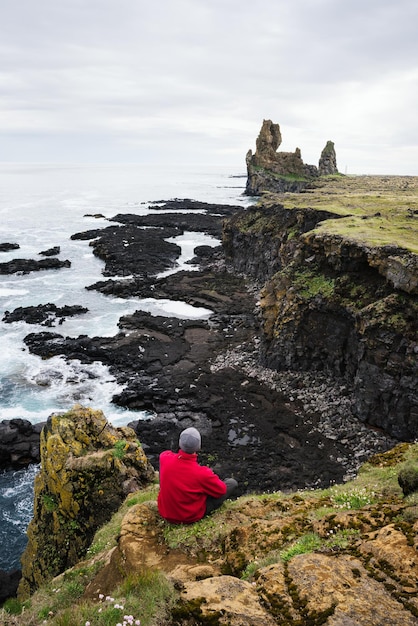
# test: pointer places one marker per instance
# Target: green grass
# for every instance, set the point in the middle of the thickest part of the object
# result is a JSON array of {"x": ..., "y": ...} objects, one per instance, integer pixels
[
  {"x": 146, "y": 597},
  {"x": 354, "y": 498},
  {"x": 120, "y": 449},
  {"x": 308, "y": 542},
  {"x": 204, "y": 534},
  {"x": 310, "y": 284},
  {"x": 378, "y": 231},
  {"x": 375, "y": 210}
]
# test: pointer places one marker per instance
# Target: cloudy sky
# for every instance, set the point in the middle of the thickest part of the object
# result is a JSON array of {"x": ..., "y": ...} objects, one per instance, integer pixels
[{"x": 192, "y": 80}]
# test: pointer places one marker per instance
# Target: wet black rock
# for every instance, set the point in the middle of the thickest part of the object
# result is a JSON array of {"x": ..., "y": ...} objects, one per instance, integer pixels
[
  {"x": 9, "y": 582},
  {"x": 30, "y": 265},
  {"x": 6, "y": 247},
  {"x": 130, "y": 250},
  {"x": 44, "y": 314},
  {"x": 139, "y": 246},
  {"x": 51, "y": 251},
  {"x": 19, "y": 443}
]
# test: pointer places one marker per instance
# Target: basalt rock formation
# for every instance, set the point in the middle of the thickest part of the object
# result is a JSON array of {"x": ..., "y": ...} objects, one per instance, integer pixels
[
  {"x": 277, "y": 172},
  {"x": 334, "y": 304},
  {"x": 328, "y": 160},
  {"x": 207, "y": 372},
  {"x": 87, "y": 469}
]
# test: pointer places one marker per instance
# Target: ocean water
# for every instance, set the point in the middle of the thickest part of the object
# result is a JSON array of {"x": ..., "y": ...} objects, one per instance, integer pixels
[{"x": 41, "y": 206}]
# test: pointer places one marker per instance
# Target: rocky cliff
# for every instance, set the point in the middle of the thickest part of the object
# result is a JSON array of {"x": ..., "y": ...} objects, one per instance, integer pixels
[
  {"x": 87, "y": 469},
  {"x": 336, "y": 303}
]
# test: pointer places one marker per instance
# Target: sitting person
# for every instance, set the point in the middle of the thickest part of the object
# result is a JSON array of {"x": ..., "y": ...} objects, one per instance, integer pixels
[{"x": 189, "y": 491}]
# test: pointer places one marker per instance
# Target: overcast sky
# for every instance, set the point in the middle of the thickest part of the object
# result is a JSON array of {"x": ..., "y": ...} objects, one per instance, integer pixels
[{"x": 192, "y": 80}]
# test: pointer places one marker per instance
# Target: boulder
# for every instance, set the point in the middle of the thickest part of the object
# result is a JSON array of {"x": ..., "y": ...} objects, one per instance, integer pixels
[{"x": 19, "y": 443}]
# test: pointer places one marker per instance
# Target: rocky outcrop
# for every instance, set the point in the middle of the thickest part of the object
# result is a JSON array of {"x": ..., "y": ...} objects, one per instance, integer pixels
[
  {"x": 87, "y": 469},
  {"x": 19, "y": 443},
  {"x": 254, "y": 565},
  {"x": 51, "y": 251},
  {"x": 43, "y": 314},
  {"x": 334, "y": 304},
  {"x": 145, "y": 250},
  {"x": 30, "y": 265},
  {"x": 271, "y": 171},
  {"x": 328, "y": 160},
  {"x": 6, "y": 247}
]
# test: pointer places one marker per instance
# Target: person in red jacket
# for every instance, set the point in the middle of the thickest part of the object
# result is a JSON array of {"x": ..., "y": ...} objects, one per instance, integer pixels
[{"x": 189, "y": 491}]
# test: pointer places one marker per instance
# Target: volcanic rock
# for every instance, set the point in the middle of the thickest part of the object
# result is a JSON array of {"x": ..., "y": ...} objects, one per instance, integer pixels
[
  {"x": 6, "y": 247},
  {"x": 44, "y": 314},
  {"x": 19, "y": 443},
  {"x": 30, "y": 265},
  {"x": 328, "y": 160}
]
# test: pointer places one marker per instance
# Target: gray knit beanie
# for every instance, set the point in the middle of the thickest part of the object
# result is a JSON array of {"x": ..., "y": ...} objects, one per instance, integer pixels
[{"x": 190, "y": 440}]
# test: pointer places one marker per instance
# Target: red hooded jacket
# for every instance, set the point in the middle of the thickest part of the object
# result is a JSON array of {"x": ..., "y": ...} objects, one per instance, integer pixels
[{"x": 184, "y": 487}]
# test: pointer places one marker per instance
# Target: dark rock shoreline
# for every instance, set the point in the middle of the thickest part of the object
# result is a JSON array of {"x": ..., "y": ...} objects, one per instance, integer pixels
[{"x": 270, "y": 430}]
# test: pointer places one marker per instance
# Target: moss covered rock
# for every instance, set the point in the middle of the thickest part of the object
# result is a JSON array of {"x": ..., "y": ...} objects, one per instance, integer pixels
[{"x": 87, "y": 469}]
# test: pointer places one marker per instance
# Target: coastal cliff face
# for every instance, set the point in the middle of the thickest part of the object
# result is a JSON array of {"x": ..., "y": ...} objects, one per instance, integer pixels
[
  {"x": 334, "y": 304},
  {"x": 87, "y": 469}
]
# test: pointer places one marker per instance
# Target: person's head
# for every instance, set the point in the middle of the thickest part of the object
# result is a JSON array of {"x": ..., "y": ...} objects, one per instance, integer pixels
[{"x": 190, "y": 440}]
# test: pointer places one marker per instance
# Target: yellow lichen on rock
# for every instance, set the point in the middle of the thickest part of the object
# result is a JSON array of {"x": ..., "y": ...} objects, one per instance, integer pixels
[{"x": 87, "y": 469}]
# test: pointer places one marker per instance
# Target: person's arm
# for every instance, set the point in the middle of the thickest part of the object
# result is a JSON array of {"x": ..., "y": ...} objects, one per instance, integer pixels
[{"x": 212, "y": 485}]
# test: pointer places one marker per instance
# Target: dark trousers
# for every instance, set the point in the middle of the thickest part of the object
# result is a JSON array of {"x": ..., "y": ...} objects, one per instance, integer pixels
[{"x": 214, "y": 503}]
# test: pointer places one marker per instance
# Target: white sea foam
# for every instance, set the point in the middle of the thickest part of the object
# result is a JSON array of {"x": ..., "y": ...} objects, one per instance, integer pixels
[{"x": 6, "y": 293}]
